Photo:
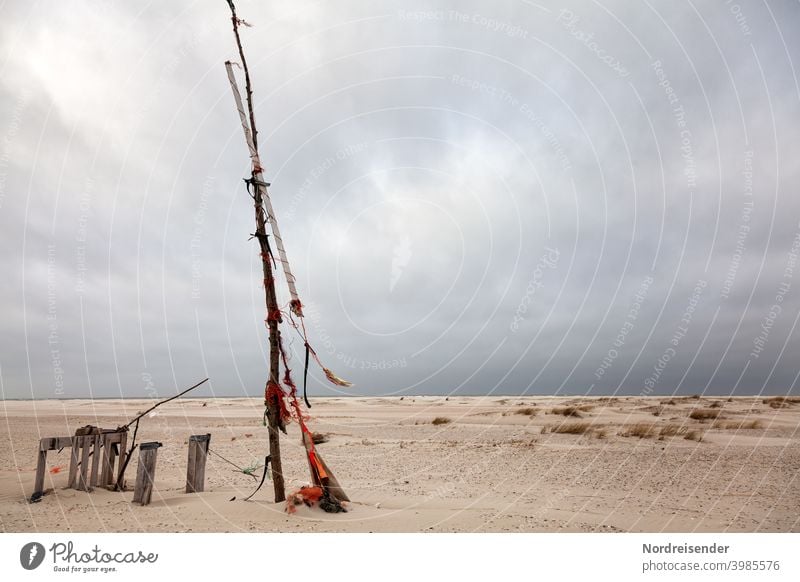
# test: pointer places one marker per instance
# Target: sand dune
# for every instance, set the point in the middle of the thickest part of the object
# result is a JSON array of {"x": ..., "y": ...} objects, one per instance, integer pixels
[{"x": 499, "y": 464}]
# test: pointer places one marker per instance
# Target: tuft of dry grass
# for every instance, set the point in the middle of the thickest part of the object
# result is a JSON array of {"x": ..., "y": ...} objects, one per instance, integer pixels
[
  {"x": 671, "y": 402},
  {"x": 527, "y": 411},
  {"x": 440, "y": 420},
  {"x": 704, "y": 414},
  {"x": 642, "y": 430},
  {"x": 781, "y": 401},
  {"x": 574, "y": 411},
  {"x": 572, "y": 428},
  {"x": 672, "y": 430},
  {"x": 715, "y": 404},
  {"x": 694, "y": 435},
  {"x": 737, "y": 424}
]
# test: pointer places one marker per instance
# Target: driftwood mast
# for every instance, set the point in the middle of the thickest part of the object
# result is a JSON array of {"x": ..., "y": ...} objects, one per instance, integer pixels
[{"x": 274, "y": 318}]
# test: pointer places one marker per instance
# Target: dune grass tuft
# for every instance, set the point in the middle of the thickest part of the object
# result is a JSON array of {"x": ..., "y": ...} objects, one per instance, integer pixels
[
  {"x": 527, "y": 411},
  {"x": 694, "y": 435},
  {"x": 574, "y": 411},
  {"x": 781, "y": 401},
  {"x": 643, "y": 430},
  {"x": 572, "y": 428},
  {"x": 737, "y": 424},
  {"x": 440, "y": 420},
  {"x": 672, "y": 430},
  {"x": 704, "y": 414}
]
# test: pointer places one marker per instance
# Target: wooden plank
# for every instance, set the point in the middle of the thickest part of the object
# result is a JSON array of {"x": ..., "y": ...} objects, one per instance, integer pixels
[
  {"x": 196, "y": 466},
  {"x": 123, "y": 444},
  {"x": 56, "y": 443},
  {"x": 145, "y": 473},
  {"x": 83, "y": 473},
  {"x": 41, "y": 466},
  {"x": 74, "y": 459},
  {"x": 191, "y": 467},
  {"x": 107, "y": 467},
  {"x": 202, "y": 455},
  {"x": 97, "y": 444}
]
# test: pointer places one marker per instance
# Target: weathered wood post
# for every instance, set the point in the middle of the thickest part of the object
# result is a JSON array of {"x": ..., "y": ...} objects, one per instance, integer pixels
[
  {"x": 97, "y": 444},
  {"x": 107, "y": 464},
  {"x": 145, "y": 472},
  {"x": 83, "y": 473},
  {"x": 74, "y": 459},
  {"x": 45, "y": 445},
  {"x": 196, "y": 467},
  {"x": 41, "y": 467}
]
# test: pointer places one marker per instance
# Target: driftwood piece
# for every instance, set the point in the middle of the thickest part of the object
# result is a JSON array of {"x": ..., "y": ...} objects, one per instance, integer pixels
[
  {"x": 97, "y": 445},
  {"x": 196, "y": 467},
  {"x": 85, "y": 444},
  {"x": 145, "y": 473},
  {"x": 74, "y": 459}
]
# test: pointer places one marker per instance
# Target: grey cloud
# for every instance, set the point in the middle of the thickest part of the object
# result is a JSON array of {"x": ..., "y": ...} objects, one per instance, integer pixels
[{"x": 422, "y": 162}]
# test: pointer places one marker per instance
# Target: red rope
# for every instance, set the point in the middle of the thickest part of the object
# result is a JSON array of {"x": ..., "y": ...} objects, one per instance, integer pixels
[{"x": 274, "y": 392}]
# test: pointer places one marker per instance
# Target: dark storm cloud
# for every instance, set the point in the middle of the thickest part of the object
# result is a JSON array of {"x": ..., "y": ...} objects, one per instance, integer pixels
[{"x": 507, "y": 197}]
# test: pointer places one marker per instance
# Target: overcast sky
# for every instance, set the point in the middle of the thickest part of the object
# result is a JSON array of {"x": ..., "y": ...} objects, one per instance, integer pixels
[{"x": 476, "y": 197}]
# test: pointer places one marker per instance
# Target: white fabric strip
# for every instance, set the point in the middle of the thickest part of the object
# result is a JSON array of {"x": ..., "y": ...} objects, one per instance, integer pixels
[{"x": 262, "y": 186}]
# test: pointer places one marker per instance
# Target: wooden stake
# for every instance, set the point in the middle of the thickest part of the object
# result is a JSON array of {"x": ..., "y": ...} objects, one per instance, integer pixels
[
  {"x": 41, "y": 467},
  {"x": 74, "y": 459},
  {"x": 145, "y": 472},
  {"x": 96, "y": 447},
  {"x": 196, "y": 467},
  {"x": 83, "y": 473}
]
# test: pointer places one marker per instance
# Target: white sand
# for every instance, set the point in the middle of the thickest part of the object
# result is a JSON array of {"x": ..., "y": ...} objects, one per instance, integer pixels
[{"x": 490, "y": 469}]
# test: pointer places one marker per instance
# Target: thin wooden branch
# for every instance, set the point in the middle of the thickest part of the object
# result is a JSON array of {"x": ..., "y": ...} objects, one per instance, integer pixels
[
  {"x": 152, "y": 408},
  {"x": 247, "y": 85}
]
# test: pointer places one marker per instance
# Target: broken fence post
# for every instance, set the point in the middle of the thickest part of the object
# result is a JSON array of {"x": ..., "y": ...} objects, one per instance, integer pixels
[
  {"x": 196, "y": 467},
  {"x": 145, "y": 472}
]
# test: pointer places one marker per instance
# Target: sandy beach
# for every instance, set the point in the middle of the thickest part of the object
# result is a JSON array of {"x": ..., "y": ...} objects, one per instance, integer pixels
[{"x": 496, "y": 464}]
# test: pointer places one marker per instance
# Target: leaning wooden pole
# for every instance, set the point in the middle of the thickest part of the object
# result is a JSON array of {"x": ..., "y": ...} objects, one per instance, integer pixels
[{"x": 271, "y": 397}]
